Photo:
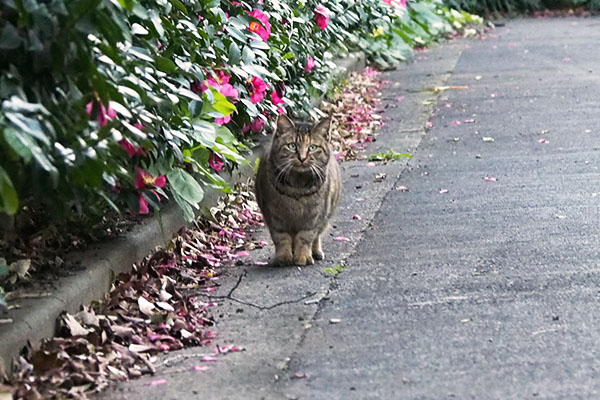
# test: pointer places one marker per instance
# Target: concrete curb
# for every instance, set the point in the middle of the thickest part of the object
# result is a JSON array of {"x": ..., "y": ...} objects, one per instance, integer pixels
[{"x": 35, "y": 319}]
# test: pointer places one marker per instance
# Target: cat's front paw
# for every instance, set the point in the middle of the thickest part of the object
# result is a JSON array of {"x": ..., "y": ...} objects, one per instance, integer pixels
[
  {"x": 318, "y": 254},
  {"x": 283, "y": 260},
  {"x": 303, "y": 259}
]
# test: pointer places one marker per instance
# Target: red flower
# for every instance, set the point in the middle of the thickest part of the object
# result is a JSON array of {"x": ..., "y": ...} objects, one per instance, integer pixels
[
  {"x": 219, "y": 82},
  {"x": 144, "y": 179},
  {"x": 223, "y": 120},
  {"x": 257, "y": 125},
  {"x": 310, "y": 64},
  {"x": 102, "y": 114},
  {"x": 322, "y": 17},
  {"x": 276, "y": 99},
  {"x": 216, "y": 162},
  {"x": 131, "y": 149},
  {"x": 264, "y": 30},
  {"x": 259, "y": 87}
]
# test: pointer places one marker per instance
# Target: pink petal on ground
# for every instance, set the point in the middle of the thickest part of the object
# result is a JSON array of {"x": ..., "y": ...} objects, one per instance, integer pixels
[
  {"x": 299, "y": 375},
  {"x": 399, "y": 99},
  {"x": 158, "y": 382},
  {"x": 356, "y": 217},
  {"x": 261, "y": 263},
  {"x": 241, "y": 254},
  {"x": 542, "y": 141},
  {"x": 493, "y": 95},
  {"x": 455, "y": 123},
  {"x": 371, "y": 164},
  {"x": 567, "y": 59},
  {"x": 428, "y": 124},
  {"x": 443, "y": 191},
  {"x": 489, "y": 179},
  {"x": 201, "y": 368},
  {"x": 208, "y": 359},
  {"x": 402, "y": 188},
  {"x": 469, "y": 121},
  {"x": 341, "y": 239}
]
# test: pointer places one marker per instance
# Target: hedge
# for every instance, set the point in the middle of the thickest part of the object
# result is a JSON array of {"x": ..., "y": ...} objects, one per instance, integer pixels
[{"x": 125, "y": 103}]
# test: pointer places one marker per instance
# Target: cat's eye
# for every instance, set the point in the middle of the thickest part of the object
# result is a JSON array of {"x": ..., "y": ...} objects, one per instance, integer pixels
[
  {"x": 291, "y": 146},
  {"x": 312, "y": 147}
]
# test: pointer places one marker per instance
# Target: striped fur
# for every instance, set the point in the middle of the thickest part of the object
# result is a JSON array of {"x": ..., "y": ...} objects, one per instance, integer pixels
[{"x": 298, "y": 187}]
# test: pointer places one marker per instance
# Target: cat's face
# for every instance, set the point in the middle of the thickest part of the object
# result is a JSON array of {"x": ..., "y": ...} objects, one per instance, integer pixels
[{"x": 302, "y": 148}]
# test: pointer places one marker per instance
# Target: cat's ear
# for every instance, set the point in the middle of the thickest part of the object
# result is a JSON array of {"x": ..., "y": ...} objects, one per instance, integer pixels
[
  {"x": 284, "y": 124},
  {"x": 323, "y": 128}
]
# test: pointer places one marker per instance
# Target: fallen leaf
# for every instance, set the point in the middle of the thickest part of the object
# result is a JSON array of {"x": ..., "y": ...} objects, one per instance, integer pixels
[
  {"x": 165, "y": 306},
  {"x": 145, "y": 306},
  {"x": 71, "y": 324}
]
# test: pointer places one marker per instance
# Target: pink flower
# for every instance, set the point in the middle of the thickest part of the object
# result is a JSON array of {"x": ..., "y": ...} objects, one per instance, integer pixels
[
  {"x": 264, "y": 30},
  {"x": 322, "y": 17},
  {"x": 276, "y": 99},
  {"x": 280, "y": 110},
  {"x": 223, "y": 120},
  {"x": 143, "y": 205},
  {"x": 131, "y": 149},
  {"x": 216, "y": 162},
  {"x": 219, "y": 82},
  {"x": 102, "y": 114},
  {"x": 257, "y": 125},
  {"x": 310, "y": 64},
  {"x": 259, "y": 87},
  {"x": 144, "y": 179}
]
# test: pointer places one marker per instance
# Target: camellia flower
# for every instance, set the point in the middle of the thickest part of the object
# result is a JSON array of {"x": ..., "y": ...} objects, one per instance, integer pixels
[
  {"x": 143, "y": 180},
  {"x": 216, "y": 162},
  {"x": 257, "y": 125},
  {"x": 322, "y": 16},
  {"x": 264, "y": 30},
  {"x": 219, "y": 82},
  {"x": 223, "y": 120},
  {"x": 276, "y": 99},
  {"x": 131, "y": 149},
  {"x": 257, "y": 92},
  {"x": 103, "y": 114},
  {"x": 310, "y": 64}
]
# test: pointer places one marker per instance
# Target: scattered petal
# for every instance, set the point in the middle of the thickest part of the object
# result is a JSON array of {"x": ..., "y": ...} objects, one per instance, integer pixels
[
  {"x": 428, "y": 124},
  {"x": 299, "y": 375},
  {"x": 356, "y": 217},
  {"x": 208, "y": 359},
  {"x": 402, "y": 188},
  {"x": 335, "y": 321},
  {"x": 341, "y": 239},
  {"x": 399, "y": 99},
  {"x": 489, "y": 179},
  {"x": 241, "y": 254},
  {"x": 567, "y": 59},
  {"x": 542, "y": 141},
  {"x": 469, "y": 121},
  {"x": 444, "y": 191},
  {"x": 487, "y": 139},
  {"x": 158, "y": 382},
  {"x": 455, "y": 123},
  {"x": 201, "y": 368}
]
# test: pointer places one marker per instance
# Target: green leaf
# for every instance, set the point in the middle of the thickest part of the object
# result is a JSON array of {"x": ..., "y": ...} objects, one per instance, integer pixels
[
  {"x": 179, "y": 5},
  {"x": 8, "y": 195},
  {"x": 185, "y": 186},
  {"x": 164, "y": 64},
  {"x": 9, "y": 38},
  {"x": 236, "y": 33},
  {"x": 20, "y": 143},
  {"x": 126, "y": 4},
  {"x": 234, "y": 53}
]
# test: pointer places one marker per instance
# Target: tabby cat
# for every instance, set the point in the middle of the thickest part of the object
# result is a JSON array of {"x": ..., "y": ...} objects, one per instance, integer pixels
[{"x": 298, "y": 187}]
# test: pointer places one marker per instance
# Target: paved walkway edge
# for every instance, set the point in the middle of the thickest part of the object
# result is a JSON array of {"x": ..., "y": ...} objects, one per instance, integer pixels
[{"x": 35, "y": 319}]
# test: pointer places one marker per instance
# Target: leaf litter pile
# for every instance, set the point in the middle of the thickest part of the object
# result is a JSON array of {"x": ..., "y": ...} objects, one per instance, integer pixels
[
  {"x": 159, "y": 306},
  {"x": 357, "y": 117},
  {"x": 153, "y": 309}
]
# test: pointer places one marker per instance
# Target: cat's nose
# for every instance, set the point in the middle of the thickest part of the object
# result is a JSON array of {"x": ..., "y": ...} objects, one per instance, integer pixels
[{"x": 302, "y": 158}]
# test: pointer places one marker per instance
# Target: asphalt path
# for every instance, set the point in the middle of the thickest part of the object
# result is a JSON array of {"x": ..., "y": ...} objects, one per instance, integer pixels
[{"x": 482, "y": 281}]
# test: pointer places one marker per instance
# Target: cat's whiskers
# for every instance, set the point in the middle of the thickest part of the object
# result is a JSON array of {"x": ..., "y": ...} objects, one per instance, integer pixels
[
  {"x": 284, "y": 172},
  {"x": 318, "y": 172}
]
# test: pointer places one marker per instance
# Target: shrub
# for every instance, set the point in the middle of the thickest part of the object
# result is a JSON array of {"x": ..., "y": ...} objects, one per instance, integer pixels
[{"x": 125, "y": 103}]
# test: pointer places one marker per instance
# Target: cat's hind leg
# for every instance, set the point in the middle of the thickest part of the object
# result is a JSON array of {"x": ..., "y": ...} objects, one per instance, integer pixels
[
  {"x": 283, "y": 248},
  {"x": 302, "y": 248},
  {"x": 317, "y": 249}
]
